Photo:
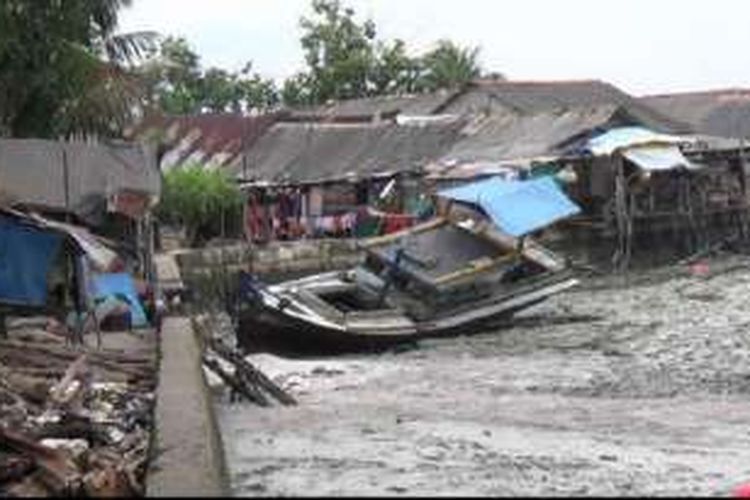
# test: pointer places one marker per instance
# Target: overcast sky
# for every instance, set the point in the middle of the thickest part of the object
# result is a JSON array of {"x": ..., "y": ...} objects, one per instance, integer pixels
[{"x": 642, "y": 46}]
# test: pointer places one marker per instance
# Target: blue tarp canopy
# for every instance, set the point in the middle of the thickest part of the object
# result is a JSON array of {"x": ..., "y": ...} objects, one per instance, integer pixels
[
  {"x": 517, "y": 207},
  {"x": 26, "y": 256},
  {"x": 113, "y": 284}
]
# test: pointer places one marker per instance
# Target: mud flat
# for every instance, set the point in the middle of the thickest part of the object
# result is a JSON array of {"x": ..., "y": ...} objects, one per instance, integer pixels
[{"x": 634, "y": 386}]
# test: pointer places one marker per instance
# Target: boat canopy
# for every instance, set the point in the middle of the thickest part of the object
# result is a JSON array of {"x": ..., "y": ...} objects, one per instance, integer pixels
[{"x": 516, "y": 207}]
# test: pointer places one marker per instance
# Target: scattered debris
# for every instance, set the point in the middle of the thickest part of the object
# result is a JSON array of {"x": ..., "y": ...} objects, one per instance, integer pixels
[
  {"x": 244, "y": 378},
  {"x": 73, "y": 421}
]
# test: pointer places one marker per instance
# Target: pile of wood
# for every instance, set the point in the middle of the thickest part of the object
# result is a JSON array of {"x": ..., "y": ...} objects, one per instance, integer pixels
[
  {"x": 73, "y": 421},
  {"x": 242, "y": 378}
]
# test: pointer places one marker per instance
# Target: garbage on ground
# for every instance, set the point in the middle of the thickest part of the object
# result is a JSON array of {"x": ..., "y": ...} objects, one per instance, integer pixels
[{"x": 73, "y": 421}]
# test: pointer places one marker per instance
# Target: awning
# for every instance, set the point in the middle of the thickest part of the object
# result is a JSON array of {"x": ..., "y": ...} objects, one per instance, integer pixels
[
  {"x": 628, "y": 137},
  {"x": 517, "y": 207},
  {"x": 652, "y": 158},
  {"x": 101, "y": 257}
]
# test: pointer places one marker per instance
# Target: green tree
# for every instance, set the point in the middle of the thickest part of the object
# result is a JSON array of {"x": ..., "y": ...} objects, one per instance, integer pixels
[
  {"x": 345, "y": 60},
  {"x": 63, "y": 70},
  {"x": 297, "y": 91},
  {"x": 197, "y": 197},
  {"x": 178, "y": 84},
  {"x": 448, "y": 66},
  {"x": 395, "y": 72},
  {"x": 339, "y": 52}
]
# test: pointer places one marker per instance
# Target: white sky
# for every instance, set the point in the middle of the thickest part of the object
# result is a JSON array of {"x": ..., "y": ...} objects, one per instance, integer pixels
[{"x": 642, "y": 46}]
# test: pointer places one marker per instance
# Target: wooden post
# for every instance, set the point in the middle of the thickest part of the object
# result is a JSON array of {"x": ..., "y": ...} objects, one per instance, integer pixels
[
  {"x": 621, "y": 214},
  {"x": 66, "y": 184},
  {"x": 743, "y": 188}
]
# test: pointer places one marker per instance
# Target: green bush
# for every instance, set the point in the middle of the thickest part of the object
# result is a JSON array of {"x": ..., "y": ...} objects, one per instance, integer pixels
[{"x": 198, "y": 198}]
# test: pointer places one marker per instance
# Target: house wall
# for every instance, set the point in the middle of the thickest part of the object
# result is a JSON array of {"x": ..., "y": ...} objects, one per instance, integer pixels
[{"x": 672, "y": 214}]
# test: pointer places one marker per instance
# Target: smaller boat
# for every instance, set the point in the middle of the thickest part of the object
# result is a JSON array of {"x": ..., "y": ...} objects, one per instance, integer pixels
[{"x": 449, "y": 275}]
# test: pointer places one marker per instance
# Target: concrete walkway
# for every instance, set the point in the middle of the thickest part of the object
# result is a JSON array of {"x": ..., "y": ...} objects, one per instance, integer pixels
[{"x": 188, "y": 456}]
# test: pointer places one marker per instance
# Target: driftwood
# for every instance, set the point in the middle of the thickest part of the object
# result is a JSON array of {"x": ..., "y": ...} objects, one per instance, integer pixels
[
  {"x": 137, "y": 369},
  {"x": 13, "y": 467},
  {"x": 252, "y": 374},
  {"x": 252, "y": 380},
  {"x": 42, "y": 377},
  {"x": 108, "y": 482},
  {"x": 29, "y": 487},
  {"x": 236, "y": 383},
  {"x": 31, "y": 389},
  {"x": 55, "y": 470},
  {"x": 71, "y": 387}
]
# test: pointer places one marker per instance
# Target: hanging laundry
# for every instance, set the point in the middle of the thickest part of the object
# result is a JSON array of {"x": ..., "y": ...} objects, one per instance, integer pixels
[{"x": 315, "y": 199}]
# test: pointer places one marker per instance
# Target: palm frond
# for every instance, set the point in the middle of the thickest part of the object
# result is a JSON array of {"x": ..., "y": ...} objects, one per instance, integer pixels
[{"x": 130, "y": 48}]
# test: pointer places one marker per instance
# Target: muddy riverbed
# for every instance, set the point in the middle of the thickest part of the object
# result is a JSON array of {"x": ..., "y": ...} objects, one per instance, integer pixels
[{"x": 626, "y": 386}]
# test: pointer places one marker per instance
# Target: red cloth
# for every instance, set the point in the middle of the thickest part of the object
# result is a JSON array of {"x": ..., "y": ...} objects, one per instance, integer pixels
[
  {"x": 396, "y": 222},
  {"x": 742, "y": 491},
  {"x": 254, "y": 220}
]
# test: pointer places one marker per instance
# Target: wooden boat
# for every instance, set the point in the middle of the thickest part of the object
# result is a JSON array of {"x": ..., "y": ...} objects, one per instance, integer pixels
[{"x": 446, "y": 276}]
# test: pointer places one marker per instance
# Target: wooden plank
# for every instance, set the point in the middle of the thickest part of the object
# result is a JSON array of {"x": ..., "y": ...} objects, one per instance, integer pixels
[
  {"x": 389, "y": 238},
  {"x": 474, "y": 267}
]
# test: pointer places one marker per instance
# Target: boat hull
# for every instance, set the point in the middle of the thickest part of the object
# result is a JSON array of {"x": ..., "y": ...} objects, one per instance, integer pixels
[{"x": 267, "y": 327}]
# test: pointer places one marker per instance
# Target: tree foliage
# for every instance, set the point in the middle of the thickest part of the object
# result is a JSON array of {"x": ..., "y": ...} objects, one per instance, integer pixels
[
  {"x": 63, "y": 70},
  {"x": 448, "y": 66},
  {"x": 346, "y": 60},
  {"x": 178, "y": 85},
  {"x": 195, "y": 197}
]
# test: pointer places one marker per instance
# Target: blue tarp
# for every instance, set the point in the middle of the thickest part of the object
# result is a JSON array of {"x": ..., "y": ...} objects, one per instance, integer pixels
[
  {"x": 517, "y": 207},
  {"x": 26, "y": 255},
  {"x": 121, "y": 283}
]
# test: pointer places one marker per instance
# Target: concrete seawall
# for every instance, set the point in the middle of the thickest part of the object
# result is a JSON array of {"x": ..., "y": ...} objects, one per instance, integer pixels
[
  {"x": 188, "y": 458},
  {"x": 208, "y": 273}
]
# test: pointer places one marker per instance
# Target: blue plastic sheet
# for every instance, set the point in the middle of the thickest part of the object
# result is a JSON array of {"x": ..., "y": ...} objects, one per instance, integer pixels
[
  {"x": 121, "y": 283},
  {"x": 516, "y": 207},
  {"x": 26, "y": 256}
]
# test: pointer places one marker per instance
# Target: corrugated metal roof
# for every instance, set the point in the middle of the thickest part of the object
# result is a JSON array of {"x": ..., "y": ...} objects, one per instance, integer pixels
[
  {"x": 509, "y": 136},
  {"x": 507, "y": 121},
  {"x": 412, "y": 104},
  {"x": 308, "y": 152},
  {"x": 211, "y": 139},
  {"x": 74, "y": 176},
  {"x": 724, "y": 113},
  {"x": 532, "y": 97}
]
